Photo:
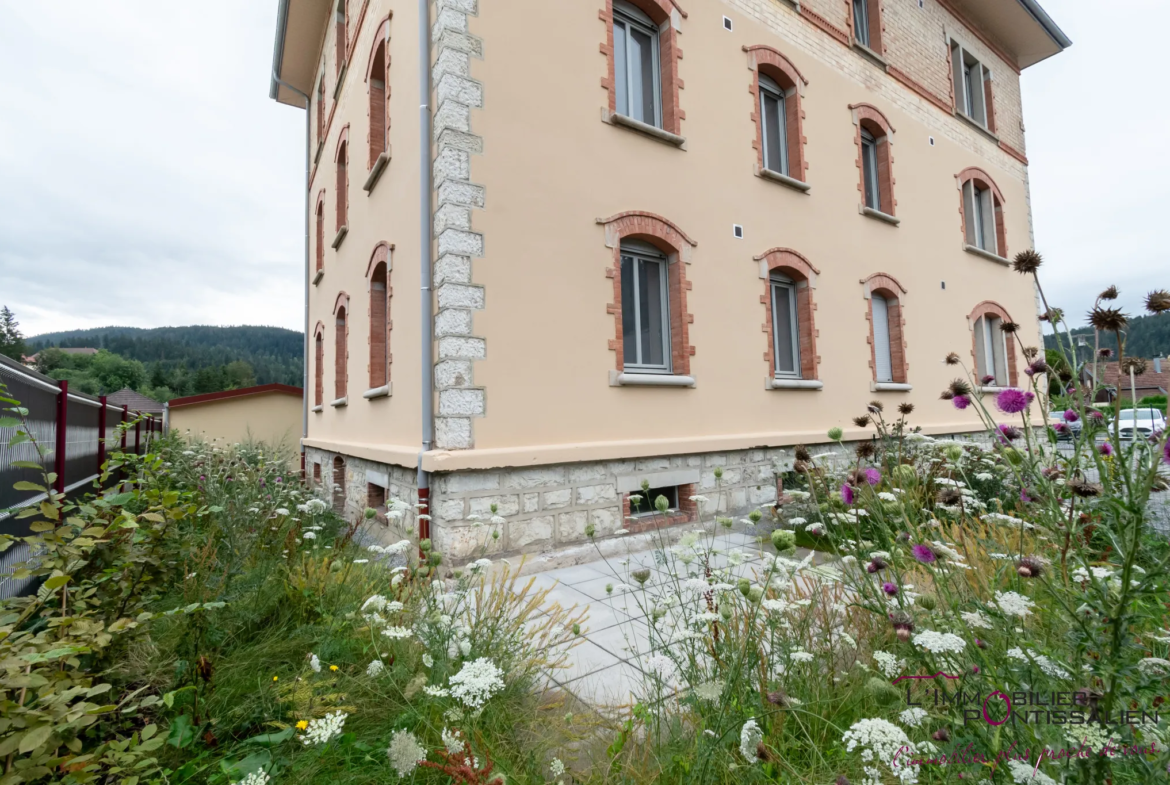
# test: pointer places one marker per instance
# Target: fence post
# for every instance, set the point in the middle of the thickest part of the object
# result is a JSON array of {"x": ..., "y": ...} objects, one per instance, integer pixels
[
  {"x": 138, "y": 435},
  {"x": 101, "y": 434},
  {"x": 59, "y": 453}
]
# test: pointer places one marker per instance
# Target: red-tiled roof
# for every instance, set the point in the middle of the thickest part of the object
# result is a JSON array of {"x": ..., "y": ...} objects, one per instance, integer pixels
[
  {"x": 262, "y": 389},
  {"x": 136, "y": 401},
  {"x": 1148, "y": 383}
]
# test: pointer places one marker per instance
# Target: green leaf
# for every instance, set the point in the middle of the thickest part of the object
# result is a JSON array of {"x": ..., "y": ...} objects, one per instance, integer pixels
[
  {"x": 35, "y": 738},
  {"x": 56, "y": 582},
  {"x": 271, "y": 739},
  {"x": 148, "y": 731},
  {"x": 20, "y": 437},
  {"x": 25, "y": 485},
  {"x": 242, "y": 768},
  {"x": 182, "y": 732},
  {"x": 27, "y": 465},
  {"x": 120, "y": 499},
  {"x": 9, "y": 422}
]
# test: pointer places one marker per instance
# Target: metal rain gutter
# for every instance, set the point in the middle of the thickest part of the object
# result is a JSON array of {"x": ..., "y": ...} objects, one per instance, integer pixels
[{"x": 425, "y": 232}]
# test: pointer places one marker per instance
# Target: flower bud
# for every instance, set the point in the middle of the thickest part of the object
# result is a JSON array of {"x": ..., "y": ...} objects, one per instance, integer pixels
[
  {"x": 835, "y": 434},
  {"x": 718, "y": 472},
  {"x": 927, "y": 602},
  {"x": 755, "y": 594},
  {"x": 744, "y": 586},
  {"x": 661, "y": 504},
  {"x": 590, "y": 530}
]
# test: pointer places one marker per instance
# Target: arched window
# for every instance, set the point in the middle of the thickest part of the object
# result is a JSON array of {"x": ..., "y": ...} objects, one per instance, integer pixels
[
  {"x": 788, "y": 303},
  {"x": 777, "y": 113},
  {"x": 994, "y": 349},
  {"x": 319, "y": 366},
  {"x": 642, "y": 52},
  {"x": 379, "y": 122},
  {"x": 340, "y": 348},
  {"x": 342, "y": 163},
  {"x": 645, "y": 308},
  {"x": 887, "y": 344},
  {"x": 875, "y": 160},
  {"x": 320, "y": 235},
  {"x": 982, "y": 206},
  {"x": 379, "y": 278},
  {"x": 340, "y": 34}
]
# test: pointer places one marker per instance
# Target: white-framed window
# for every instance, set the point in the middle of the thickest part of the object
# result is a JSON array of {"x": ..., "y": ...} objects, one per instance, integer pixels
[
  {"x": 637, "y": 70},
  {"x": 869, "y": 171},
  {"x": 773, "y": 125},
  {"x": 970, "y": 77},
  {"x": 979, "y": 212},
  {"x": 785, "y": 327},
  {"x": 991, "y": 350},
  {"x": 645, "y": 308},
  {"x": 861, "y": 21},
  {"x": 882, "y": 354}
]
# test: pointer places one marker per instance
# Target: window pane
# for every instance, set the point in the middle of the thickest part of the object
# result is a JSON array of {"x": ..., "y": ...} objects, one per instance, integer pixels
[
  {"x": 869, "y": 171},
  {"x": 642, "y": 73},
  {"x": 883, "y": 362},
  {"x": 968, "y": 89},
  {"x": 775, "y": 156},
  {"x": 981, "y": 347},
  {"x": 619, "y": 67},
  {"x": 650, "y": 302},
  {"x": 861, "y": 22},
  {"x": 783, "y": 313},
  {"x": 977, "y": 220},
  {"x": 629, "y": 313}
]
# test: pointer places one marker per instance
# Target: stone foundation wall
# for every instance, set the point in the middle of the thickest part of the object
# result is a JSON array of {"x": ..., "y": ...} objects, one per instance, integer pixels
[{"x": 351, "y": 498}]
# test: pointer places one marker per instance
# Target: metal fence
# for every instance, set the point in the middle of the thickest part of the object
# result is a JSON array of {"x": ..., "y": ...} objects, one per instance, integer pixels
[{"x": 74, "y": 432}]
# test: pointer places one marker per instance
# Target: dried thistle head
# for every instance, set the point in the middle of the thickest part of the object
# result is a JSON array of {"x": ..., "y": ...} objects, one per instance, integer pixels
[
  {"x": 1010, "y": 327},
  {"x": 866, "y": 450},
  {"x": 1027, "y": 262},
  {"x": 876, "y": 406},
  {"x": 1108, "y": 319},
  {"x": 905, "y": 409},
  {"x": 946, "y": 395},
  {"x": 1052, "y": 315},
  {"x": 1109, "y": 294},
  {"x": 1084, "y": 488},
  {"x": 1158, "y": 301},
  {"x": 1105, "y": 353},
  {"x": 800, "y": 467},
  {"x": 1031, "y": 352},
  {"x": 959, "y": 387},
  {"x": 801, "y": 453},
  {"x": 861, "y": 421},
  {"x": 952, "y": 359},
  {"x": 949, "y": 497},
  {"x": 1135, "y": 364},
  {"x": 1030, "y": 567},
  {"x": 1038, "y": 366}
]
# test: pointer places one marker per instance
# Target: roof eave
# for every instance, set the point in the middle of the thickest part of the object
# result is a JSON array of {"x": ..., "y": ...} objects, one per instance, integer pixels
[{"x": 278, "y": 49}]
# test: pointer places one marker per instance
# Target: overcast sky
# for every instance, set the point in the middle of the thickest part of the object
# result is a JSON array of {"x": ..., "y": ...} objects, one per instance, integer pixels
[{"x": 148, "y": 180}]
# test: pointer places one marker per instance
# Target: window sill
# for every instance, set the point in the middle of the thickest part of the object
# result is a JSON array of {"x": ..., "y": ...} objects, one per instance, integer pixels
[
  {"x": 341, "y": 233},
  {"x": 890, "y": 387},
  {"x": 991, "y": 389},
  {"x": 340, "y": 79},
  {"x": 977, "y": 126},
  {"x": 878, "y": 214},
  {"x": 318, "y": 409},
  {"x": 377, "y": 392},
  {"x": 986, "y": 254},
  {"x": 871, "y": 55},
  {"x": 317, "y": 276},
  {"x": 342, "y": 401},
  {"x": 623, "y": 379},
  {"x": 376, "y": 171},
  {"x": 653, "y": 131},
  {"x": 783, "y": 179},
  {"x": 793, "y": 384}
]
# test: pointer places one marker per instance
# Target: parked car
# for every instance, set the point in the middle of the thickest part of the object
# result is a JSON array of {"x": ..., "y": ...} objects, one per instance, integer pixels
[
  {"x": 1064, "y": 429},
  {"x": 1144, "y": 422}
]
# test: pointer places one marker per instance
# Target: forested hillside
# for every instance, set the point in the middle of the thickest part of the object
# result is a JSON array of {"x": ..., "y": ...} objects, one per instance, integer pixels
[{"x": 1148, "y": 336}]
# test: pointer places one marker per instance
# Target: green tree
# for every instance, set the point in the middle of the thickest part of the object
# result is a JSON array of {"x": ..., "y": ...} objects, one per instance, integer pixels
[
  {"x": 238, "y": 374},
  {"x": 11, "y": 339},
  {"x": 116, "y": 372}
]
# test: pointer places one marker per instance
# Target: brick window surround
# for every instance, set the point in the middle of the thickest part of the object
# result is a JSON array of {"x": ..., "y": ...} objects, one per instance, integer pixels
[
  {"x": 340, "y": 35},
  {"x": 985, "y": 308},
  {"x": 887, "y": 286},
  {"x": 666, "y": 14},
  {"x": 687, "y": 512},
  {"x": 378, "y": 279},
  {"x": 377, "y": 79},
  {"x": 873, "y": 10},
  {"x": 769, "y": 62},
  {"x": 321, "y": 111},
  {"x": 341, "y": 345},
  {"x": 319, "y": 364},
  {"x": 870, "y": 118},
  {"x": 792, "y": 264},
  {"x": 983, "y": 180},
  {"x": 678, "y": 247},
  {"x": 320, "y": 217},
  {"x": 341, "y": 159}
]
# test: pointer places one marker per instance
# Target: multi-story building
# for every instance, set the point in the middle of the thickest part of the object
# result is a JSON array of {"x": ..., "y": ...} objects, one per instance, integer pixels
[{"x": 639, "y": 265}]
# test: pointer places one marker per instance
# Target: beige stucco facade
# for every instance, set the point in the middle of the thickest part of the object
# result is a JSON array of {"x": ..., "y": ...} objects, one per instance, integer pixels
[
  {"x": 271, "y": 417},
  {"x": 529, "y": 166}
]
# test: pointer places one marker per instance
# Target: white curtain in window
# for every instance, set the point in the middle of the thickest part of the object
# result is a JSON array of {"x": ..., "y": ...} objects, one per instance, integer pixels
[{"x": 883, "y": 362}]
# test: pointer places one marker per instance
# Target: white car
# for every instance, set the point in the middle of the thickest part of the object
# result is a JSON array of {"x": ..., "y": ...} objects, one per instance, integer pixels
[{"x": 1144, "y": 422}]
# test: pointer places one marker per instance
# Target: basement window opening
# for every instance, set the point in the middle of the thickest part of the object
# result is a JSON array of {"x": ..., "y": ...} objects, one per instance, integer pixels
[{"x": 646, "y": 506}]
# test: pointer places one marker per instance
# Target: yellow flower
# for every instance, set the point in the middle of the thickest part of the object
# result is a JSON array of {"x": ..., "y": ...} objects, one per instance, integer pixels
[
  {"x": 332, "y": 667},
  {"x": 302, "y": 724},
  {"x": 275, "y": 678}
]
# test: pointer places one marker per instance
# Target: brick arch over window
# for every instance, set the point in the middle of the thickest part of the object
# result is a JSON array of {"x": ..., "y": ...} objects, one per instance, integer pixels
[
  {"x": 341, "y": 346},
  {"x": 982, "y": 180},
  {"x": 378, "y": 89},
  {"x": 319, "y": 217},
  {"x": 319, "y": 364},
  {"x": 341, "y": 160},
  {"x": 795, "y": 266},
  {"x": 378, "y": 279},
  {"x": 991, "y": 308},
  {"x": 678, "y": 247},
  {"x": 869, "y": 118},
  {"x": 771, "y": 63},
  {"x": 890, "y": 288},
  {"x": 666, "y": 14}
]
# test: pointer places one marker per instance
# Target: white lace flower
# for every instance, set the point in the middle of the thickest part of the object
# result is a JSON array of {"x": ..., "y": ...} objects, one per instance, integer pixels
[
  {"x": 1024, "y": 773},
  {"x": 1014, "y": 604},
  {"x": 436, "y": 692},
  {"x": 476, "y": 682},
  {"x": 324, "y": 729},
  {"x": 880, "y": 740},
  {"x": 939, "y": 642},
  {"x": 309, "y": 535},
  {"x": 452, "y": 742},
  {"x": 314, "y": 663},
  {"x": 750, "y": 737},
  {"x": 659, "y": 666},
  {"x": 397, "y": 632},
  {"x": 801, "y": 656},
  {"x": 405, "y": 752},
  {"x": 556, "y": 767},
  {"x": 428, "y": 660},
  {"x": 977, "y": 620},
  {"x": 1154, "y": 666},
  {"x": 709, "y": 691},
  {"x": 888, "y": 663},
  {"x": 375, "y": 668},
  {"x": 913, "y": 717}
]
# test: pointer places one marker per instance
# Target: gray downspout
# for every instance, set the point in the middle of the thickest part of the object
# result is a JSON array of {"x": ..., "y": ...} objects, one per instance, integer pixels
[
  {"x": 308, "y": 171},
  {"x": 425, "y": 231}
]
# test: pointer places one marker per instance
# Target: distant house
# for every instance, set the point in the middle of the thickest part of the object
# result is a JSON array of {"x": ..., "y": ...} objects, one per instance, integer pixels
[
  {"x": 268, "y": 413},
  {"x": 1155, "y": 381},
  {"x": 31, "y": 360},
  {"x": 136, "y": 402}
]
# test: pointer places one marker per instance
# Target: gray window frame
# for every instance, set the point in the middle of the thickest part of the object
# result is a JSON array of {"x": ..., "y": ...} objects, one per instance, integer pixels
[
  {"x": 869, "y": 171},
  {"x": 979, "y": 209},
  {"x": 861, "y": 22},
  {"x": 783, "y": 286},
  {"x": 969, "y": 75},
  {"x": 883, "y": 346},
  {"x": 770, "y": 89},
  {"x": 629, "y": 17},
  {"x": 991, "y": 344},
  {"x": 641, "y": 253}
]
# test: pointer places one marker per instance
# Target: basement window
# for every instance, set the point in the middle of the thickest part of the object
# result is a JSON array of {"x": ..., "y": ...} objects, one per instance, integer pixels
[
  {"x": 646, "y": 506},
  {"x": 376, "y": 499}
]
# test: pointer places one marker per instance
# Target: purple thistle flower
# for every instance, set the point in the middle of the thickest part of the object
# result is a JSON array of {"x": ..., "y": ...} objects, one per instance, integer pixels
[
  {"x": 890, "y": 588},
  {"x": 280, "y": 479},
  {"x": 1011, "y": 401},
  {"x": 1024, "y": 497},
  {"x": 1060, "y": 428},
  {"x": 1008, "y": 433},
  {"x": 1028, "y": 371},
  {"x": 1166, "y": 453},
  {"x": 1031, "y": 396},
  {"x": 873, "y": 476},
  {"x": 1070, "y": 416},
  {"x": 961, "y": 402},
  {"x": 1106, "y": 449},
  {"x": 202, "y": 477},
  {"x": 1096, "y": 415},
  {"x": 988, "y": 380},
  {"x": 847, "y": 493},
  {"x": 924, "y": 553}
]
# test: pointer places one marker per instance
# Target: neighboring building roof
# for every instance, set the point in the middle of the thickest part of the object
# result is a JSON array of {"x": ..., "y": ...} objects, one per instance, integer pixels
[
  {"x": 137, "y": 402},
  {"x": 190, "y": 400},
  {"x": 1148, "y": 383}
]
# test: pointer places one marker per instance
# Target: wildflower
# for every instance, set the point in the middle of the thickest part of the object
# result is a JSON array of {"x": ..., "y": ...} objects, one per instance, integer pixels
[
  {"x": 709, "y": 691},
  {"x": 659, "y": 666},
  {"x": 1084, "y": 488},
  {"x": 309, "y": 535},
  {"x": 888, "y": 663},
  {"x": 801, "y": 656},
  {"x": 1166, "y": 452},
  {"x": 276, "y": 678},
  {"x": 1106, "y": 449},
  {"x": 1009, "y": 433},
  {"x": 1014, "y": 604},
  {"x": 452, "y": 742},
  {"x": 428, "y": 660},
  {"x": 436, "y": 692},
  {"x": 1154, "y": 666},
  {"x": 1108, "y": 319},
  {"x": 375, "y": 668},
  {"x": 890, "y": 588},
  {"x": 1027, "y": 261},
  {"x": 1030, "y": 567},
  {"x": 397, "y": 632},
  {"x": 258, "y": 777},
  {"x": 924, "y": 553},
  {"x": 961, "y": 402},
  {"x": 865, "y": 450},
  {"x": 939, "y": 642},
  {"x": 913, "y": 717},
  {"x": 987, "y": 380},
  {"x": 959, "y": 387},
  {"x": 876, "y": 564},
  {"x": 556, "y": 767},
  {"x": 1158, "y": 301},
  {"x": 847, "y": 494},
  {"x": 323, "y": 730},
  {"x": 750, "y": 737},
  {"x": 1024, "y": 773},
  {"x": 861, "y": 421},
  {"x": 302, "y": 724},
  {"x": 951, "y": 359},
  {"x": 405, "y": 752},
  {"x": 903, "y": 625},
  {"x": 314, "y": 663},
  {"x": 905, "y": 409},
  {"x": 881, "y": 740},
  {"x": 835, "y": 434},
  {"x": 1011, "y": 401},
  {"x": 977, "y": 620},
  {"x": 476, "y": 682},
  {"x": 873, "y": 476}
]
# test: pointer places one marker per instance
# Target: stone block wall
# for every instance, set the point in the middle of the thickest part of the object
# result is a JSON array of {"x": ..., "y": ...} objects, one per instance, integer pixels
[{"x": 353, "y": 495}]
